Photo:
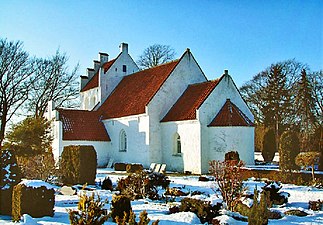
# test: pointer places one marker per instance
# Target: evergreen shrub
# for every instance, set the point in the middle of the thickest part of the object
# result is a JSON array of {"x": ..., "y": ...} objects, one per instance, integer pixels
[
  {"x": 35, "y": 201},
  {"x": 120, "y": 207},
  {"x": 10, "y": 176},
  {"x": 288, "y": 150},
  {"x": 107, "y": 184},
  {"x": 89, "y": 211},
  {"x": 232, "y": 155},
  {"x": 78, "y": 164},
  {"x": 269, "y": 146},
  {"x": 142, "y": 184},
  {"x": 259, "y": 213},
  {"x": 203, "y": 209},
  {"x": 276, "y": 197}
]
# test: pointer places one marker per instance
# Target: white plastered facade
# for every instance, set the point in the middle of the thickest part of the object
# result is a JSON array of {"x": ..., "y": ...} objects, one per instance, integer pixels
[{"x": 151, "y": 141}]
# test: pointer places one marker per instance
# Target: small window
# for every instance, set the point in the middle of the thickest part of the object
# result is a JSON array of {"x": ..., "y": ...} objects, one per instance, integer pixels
[
  {"x": 177, "y": 145},
  {"x": 123, "y": 141},
  {"x": 116, "y": 69},
  {"x": 124, "y": 68}
]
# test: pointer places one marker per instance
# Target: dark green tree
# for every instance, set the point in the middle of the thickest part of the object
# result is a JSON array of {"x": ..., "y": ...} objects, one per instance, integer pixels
[
  {"x": 305, "y": 110},
  {"x": 288, "y": 150},
  {"x": 30, "y": 137},
  {"x": 269, "y": 145}
]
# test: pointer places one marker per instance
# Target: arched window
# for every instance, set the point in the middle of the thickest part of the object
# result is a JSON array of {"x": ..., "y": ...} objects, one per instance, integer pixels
[
  {"x": 123, "y": 141},
  {"x": 177, "y": 144}
]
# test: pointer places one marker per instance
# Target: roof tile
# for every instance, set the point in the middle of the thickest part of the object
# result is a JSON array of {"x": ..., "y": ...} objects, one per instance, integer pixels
[
  {"x": 230, "y": 115},
  {"x": 192, "y": 98},
  {"x": 94, "y": 81},
  {"x": 135, "y": 91},
  {"x": 82, "y": 125}
]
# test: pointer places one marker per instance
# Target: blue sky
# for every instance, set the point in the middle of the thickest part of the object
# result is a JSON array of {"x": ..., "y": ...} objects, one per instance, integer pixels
[{"x": 242, "y": 36}]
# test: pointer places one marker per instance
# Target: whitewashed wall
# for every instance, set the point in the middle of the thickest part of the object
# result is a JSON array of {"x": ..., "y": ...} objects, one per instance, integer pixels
[
  {"x": 225, "y": 139},
  {"x": 101, "y": 148},
  {"x": 108, "y": 81},
  {"x": 210, "y": 138},
  {"x": 90, "y": 98},
  {"x": 187, "y": 72},
  {"x": 190, "y": 158},
  {"x": 136, "y": 128}
]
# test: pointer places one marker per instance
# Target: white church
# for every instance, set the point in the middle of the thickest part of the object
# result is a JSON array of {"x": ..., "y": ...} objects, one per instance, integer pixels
[{"x": 169, "y": 114}]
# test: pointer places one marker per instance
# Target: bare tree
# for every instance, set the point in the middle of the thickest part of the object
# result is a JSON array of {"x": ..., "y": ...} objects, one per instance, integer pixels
[
  {"x": 54, "y": 83},
  {"x": 16, "y": 77},
  {"x": 155, "y": 55}
]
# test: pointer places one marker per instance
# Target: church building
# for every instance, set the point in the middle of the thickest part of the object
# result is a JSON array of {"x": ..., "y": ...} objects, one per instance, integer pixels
[{"x": 169, "y": 114}]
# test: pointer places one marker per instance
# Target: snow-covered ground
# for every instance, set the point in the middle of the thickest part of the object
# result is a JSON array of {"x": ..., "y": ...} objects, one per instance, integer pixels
[{"x": 299, "y": 198}]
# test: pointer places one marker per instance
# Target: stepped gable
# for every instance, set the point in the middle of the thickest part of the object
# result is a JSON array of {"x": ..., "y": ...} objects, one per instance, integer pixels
[
  {"x": 94, "y": 82},
  {"x": 230, "y": 115},
  {"x": 135, "y": 91},
  {"x": 82, "y": 125},
  {"x": 191, "y": 100}
]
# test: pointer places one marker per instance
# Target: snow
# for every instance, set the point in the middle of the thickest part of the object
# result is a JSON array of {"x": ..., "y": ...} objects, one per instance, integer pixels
[
  {"x": 36, "y": 184},
  {"x": 299, "y": 198}
]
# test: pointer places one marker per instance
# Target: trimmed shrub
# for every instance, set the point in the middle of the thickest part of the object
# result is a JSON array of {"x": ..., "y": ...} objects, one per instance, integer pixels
[
  {"x": 120, "y": 207},
  {"x": 90, "y": 211},
  {"x": 78, "y": 164},
  {"x": 107, "y": 184},
  {"x": 203, "y": 209},
  {"x": 38, "y": 166},
  {"x": 9, "y": 176},
  {"x": 269, "y": 146},
  {"x": 36, "y": 201},
  {"x": 288, "y": 150},
  {"x": 120, "y": 166},
  {"x": 306, "y": 159},
  {"x": 134, "y": 168},
  {"x": 233, "y": 155}
]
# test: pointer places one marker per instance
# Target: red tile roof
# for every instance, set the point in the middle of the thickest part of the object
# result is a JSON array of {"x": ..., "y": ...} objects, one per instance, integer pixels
[
  {"x": 135, "y": 91},
  {"x": 230, "y": 115},
  {"x": 82, "y": 125},
  {"x": 193, "y": 97},
  {"x": 94, "y": 82}
]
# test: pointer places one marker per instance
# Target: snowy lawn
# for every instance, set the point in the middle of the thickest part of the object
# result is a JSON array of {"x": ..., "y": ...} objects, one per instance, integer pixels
[{"x": 299, "y": 198}]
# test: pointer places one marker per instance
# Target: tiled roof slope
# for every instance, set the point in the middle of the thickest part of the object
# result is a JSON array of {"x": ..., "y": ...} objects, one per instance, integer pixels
[
  {"x": 94, "y": 82},
  {"x": 82, "y": 125},
  {"x": 135, "y": 91},
  {"x": 193, "y": 97},
  {"x": 231, "y": 115}
]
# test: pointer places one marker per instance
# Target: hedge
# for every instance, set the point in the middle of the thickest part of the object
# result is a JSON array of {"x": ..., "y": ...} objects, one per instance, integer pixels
[
  {"x": 35, "y": 201},
  {"x": 78, "y": 164}
]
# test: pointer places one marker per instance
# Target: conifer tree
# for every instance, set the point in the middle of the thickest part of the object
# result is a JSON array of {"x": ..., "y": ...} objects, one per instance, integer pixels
[
  {"x": 277, "y": 100},
  {"x": 305, "y": 110}
]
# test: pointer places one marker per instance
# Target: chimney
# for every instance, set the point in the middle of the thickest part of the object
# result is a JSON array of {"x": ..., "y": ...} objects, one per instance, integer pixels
[
  {"x": 103, "y": 57},
  {"x": 84, "y": 80},
  {"x": 226, "y": 72},
  {"x": 90, "y": 73},
  {"x": 123, "y": 48},
  {"x": 96, "y": 65}
]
